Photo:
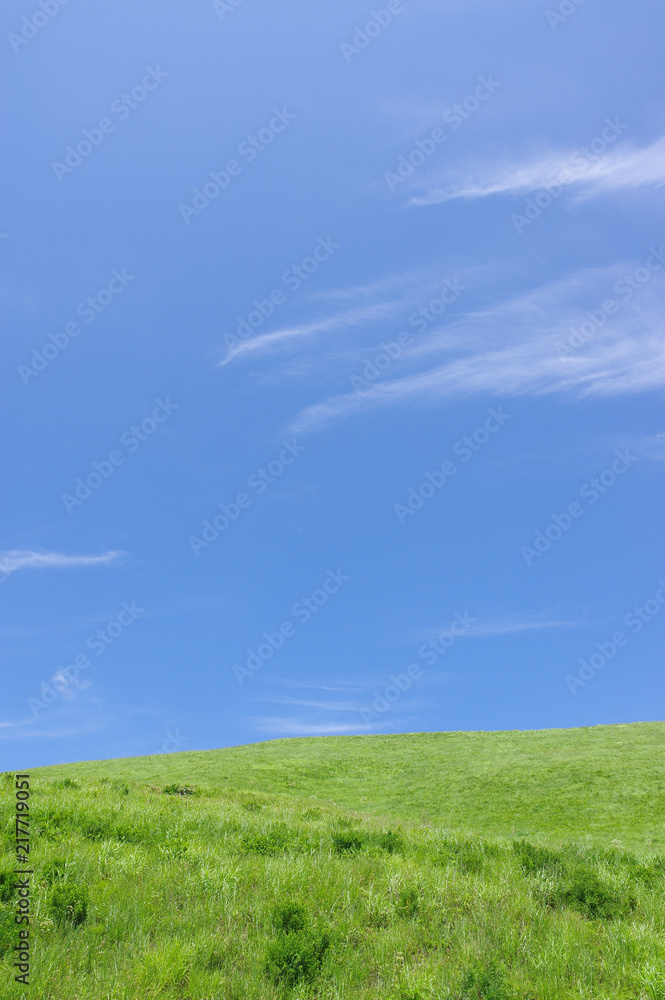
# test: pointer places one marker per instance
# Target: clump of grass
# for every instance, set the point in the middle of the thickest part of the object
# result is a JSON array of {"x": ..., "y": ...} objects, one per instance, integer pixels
[
  {"x": 68, "y": 903},
  {"x": 297, "y": 952},
  {"x": 178, "y": 790},
  {"x": 252, "y": 806},
  {"x": 165, "y": 971},
  {"x": 119, "y": 786},
  {"x": 485, "y": 982},
  {"x": 467, "y": 855},
  {"x": 288, "y": 917},
  {"x": 649, "y": 872},
  {"x": 54, "y": 824},
  {"x": 586, "y": 892},
  {"x": 390, "y": 841},
  {"x": 534, "y": 859},
  {"x": 97, "y": 827},
  {"x": 652, "y": 982},
  {"x": 173, "y": 848},
  {"x": 347, "y": 843},
  {"x": 407, "y": 903},
  {"x": 54, "y": 871},
  {"x": 407, "y": 992},
  {"x": 268, "y": 843},
  {"x": 571, "y": 879},
  {"x": 295, "y": 957},
  {"x": 347, "y": 821},
  {"x": 214, "y": 961}
]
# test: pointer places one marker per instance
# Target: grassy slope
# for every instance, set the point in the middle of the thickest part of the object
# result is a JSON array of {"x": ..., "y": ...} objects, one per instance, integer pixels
[
  {"x": 182, "y": 889},
  {"x": 599, "y": 784}
]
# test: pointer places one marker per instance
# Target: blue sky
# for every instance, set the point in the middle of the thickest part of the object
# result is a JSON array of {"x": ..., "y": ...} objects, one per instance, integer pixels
[{"x": 333, "y": 371}]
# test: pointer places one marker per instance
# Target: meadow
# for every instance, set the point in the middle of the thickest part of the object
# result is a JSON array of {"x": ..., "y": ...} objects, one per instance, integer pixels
[{"x": 504, "y": 866}]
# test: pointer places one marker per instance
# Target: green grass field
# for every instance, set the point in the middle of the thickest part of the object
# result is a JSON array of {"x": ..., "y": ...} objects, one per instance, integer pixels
[{"x": 502, "y": 866}]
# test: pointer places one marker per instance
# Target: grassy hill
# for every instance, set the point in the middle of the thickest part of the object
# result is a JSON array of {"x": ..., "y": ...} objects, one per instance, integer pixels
[{"x": 504, "y": 866}]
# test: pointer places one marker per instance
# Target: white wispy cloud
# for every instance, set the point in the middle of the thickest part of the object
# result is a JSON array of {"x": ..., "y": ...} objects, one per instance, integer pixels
[
  {"x": 347, "y": 319},
  {"x": 505, "y": 625},
  {"x": 619, "y": 169},
  {"x": 30, "y": 729},
  {"x": 72, "y": 717},
  {"x": 347, "y": 688},
  {"x": 511, "y": 627},
  {"x": 403, "y": 283},
  {"x": 69, "y": 689},
  {"x": 16, "y": 559},
  {"x": 324, "y": 706},
  {"x": 291, "y": 727},
  {"x": 513, "y": 348},
  {"x": 352, "y": 309}
]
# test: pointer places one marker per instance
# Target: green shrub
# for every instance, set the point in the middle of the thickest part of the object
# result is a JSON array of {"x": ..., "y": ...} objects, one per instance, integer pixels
[
  {"x": 485, "y": 982},
  {"x": 209, "y": 954},
  {"x": 405, "y": 992},
  {"x": 173, "y": 848},
  {"x": 68, "y": 903},
  {"x": 288, "y": 917},
  {"x": 95, "y": 827},
  {"x": 345, "y": 843},
  {"x": 467, "y": 855},
  {"x": 347, "y": 822},
  {"x": 390, "y": 841},
  {"x": 54, "y": 871},
  {"x": 296, "y": 956},
  {"x": 252, "y": 806},
  {"x": 271, "y": 842},
  {"x": 297, "y": 952},
  {"x": 128, "y": 832},
  {"x": 55, "y": 824},
  {"x": 584, "y": 891},
  {"x": 649, "y": 872},
  {"x": 408, "y": 903},
  {"x": 178, "y": 790},
  {"x": 534, "y": 859},
  {"x": 574, "y": 881}
]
